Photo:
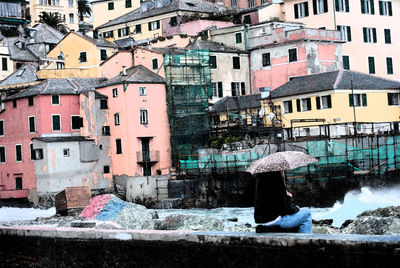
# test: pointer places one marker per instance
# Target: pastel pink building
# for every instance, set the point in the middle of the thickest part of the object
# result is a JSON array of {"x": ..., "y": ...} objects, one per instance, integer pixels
[{"x": 137, "y": 123}]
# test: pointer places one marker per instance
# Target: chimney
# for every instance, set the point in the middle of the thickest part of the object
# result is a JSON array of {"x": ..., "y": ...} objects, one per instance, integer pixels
[{"x": 124, "y": 70}]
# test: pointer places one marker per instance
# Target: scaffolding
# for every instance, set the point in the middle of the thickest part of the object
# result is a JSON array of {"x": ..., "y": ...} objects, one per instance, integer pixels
[{"x": 188, "y": 79}]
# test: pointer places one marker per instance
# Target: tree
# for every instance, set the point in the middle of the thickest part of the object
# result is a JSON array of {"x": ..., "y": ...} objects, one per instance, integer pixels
[
  {"x": 54, "y": 20},
  {"x": 84, "y": 9}
]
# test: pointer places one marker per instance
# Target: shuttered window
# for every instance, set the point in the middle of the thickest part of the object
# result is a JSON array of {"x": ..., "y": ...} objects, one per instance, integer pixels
[
  {"x": 388, "y": 38},
  {"x": 371, "y": 65},
  {"x": 389, "y": 65},
  {"x": 357, "y": 100},
  {"x": 346, "y": 62}
]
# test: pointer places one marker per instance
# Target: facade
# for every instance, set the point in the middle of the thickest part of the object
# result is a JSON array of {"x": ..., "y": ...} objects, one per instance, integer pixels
[
  {"x": 106, "y": 10},
  {"x": 368, "y": 27},
  {"x": 137, "y": 123},
  {"x": 13, "y": 13},
  {"x": 68, "y": 9},
  {"x": 337, "y": 103}
]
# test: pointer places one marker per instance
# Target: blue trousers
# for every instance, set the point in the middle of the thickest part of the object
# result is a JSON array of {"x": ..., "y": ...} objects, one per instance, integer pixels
[{"x": 302, "y": 219}]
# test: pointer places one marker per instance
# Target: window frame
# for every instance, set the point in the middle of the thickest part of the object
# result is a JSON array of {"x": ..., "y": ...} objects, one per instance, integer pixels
[
  {"x": 72, "y": 122},
  {"x": 298, "y": 10},
  {"x": 111, "y": 6},
  {"x": 318, "y": 5},
  {"x": 319, "y": 100},
  {"x": 71, "y": 18},
  {"x": 342, "y": 6},
  {"x": 385, "y": 8},
  {"x": 21, "y": 158},
  {"x": 238, "y": 38},
  {"x": 348, "y": 62},
  {"x": 367, "y": 7},
  {"x": 128, "y": 3},
  {"x": 81, "y": 53},
  {"x": 29, "y": 124},
  {"x": 103, "y": 104},
  {"x": 5, "y": 154},
  {"x": 389, "y": 67},
  {"x": 300, "y": 104},
  {"x": 369, "y": 35},
  {"x": 66, "y": 152},
  {"x": 237, "y": 65},
  {"x": 4, "y": 64},
  {"x": 52, "y": 122},
  {"x": 118, "y": 146},
  {"x": 154, "y": 64},
  {"x": 290, "y": 59},
  {"x": 266, "y": 61},
  {"x": 361, "y": 99},
  {"x": 52, "y": 99},
  {"x": 138, "y": 28},
  {"x": 388, "y": 36},
  {"x": 116, "y": 119},
  {"x": 115, "y": 92},
  {"x": 30, "y": 101},
  {"x": 213, "y": 63},
  {"x": 103, "y": 54},
  {"x": 142, "y": 91},
  {"x": 371, "y": 59},
  {"x": 2, "y": 129},
  {"x": 144, "y": 116},
  {"x": 345, "y": 32},
  {"x": 390, "y": 96},
  {"x": 153, "y": 25},
  {"x": 289, "y": 109}
]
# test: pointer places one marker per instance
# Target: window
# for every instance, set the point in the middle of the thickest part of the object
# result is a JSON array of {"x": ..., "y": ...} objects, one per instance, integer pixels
[
  {"x": 238, "y": 37},
  {"x": 320, "y": 6},
  {"x": 367, "y": 7},
  {"x": 60, "y": 65},
  {"x": 1, "y": 127},
  {"x": 394, "y": 98},
  {"x": 118, "y": 146},
  {"x": 247, "y": 19},
  {"x": 345, "y": 32},
  {"x": 82, "y": 57},
  {"x": 155, "y": 64},
  {"x": 342, "y": 5},
  {"x": 116, "y": 119},
  {"x": 301, "y": 10},
  {"x": 4, "y": 64},
  {"x": 143, "y": 117},
  {"x": 71, "y": 18},
  {"x": 103, "y": 54},
  {"x": 105, "y": 131},
  {"x": 238, "y": 88},
  {"x": 324, "y": 102},
  {"x": 115, "y": 92},
  {"x": 251, "y": 3},
  {"x": 142, "y": 91},
  {"x": 14, "y": 103},
  {"x": 56, "y": 122},
  {"x": 371, "y": 65},
  {"x": 154, "y": 25},
  {"x": 103, "y": 104},
  {"x": 55, "y": 99},
  {"x": 357, "y": 100},
  {"x": 385, "y": 8},
  {"x": 266, "y": 59},
  {"x": 66, "y": 152},
  {"x": 31, "y": 124},
  {"x": 138, "y": 29},
  {"x": 71, "y": 3},
  {"x": 236, "y": 62},
  {"x": 287, "y": 106},
  {"x": 30, "y": 101},
  {"x": 369, "y": 35},
  {"x": 36, "y": 154},
  {"x": 303, "y": 105},
  {"x": 128, "y": 3},
  {"x": 217, "y": 90},
  {"x": 292, "y": 54},
  {"x": 173, "y": 21},
  {"x": 111, "y": 6},
  {"x": 234, "y": 3},
  {"x": 123, "y": 31},
  {"x": 106, "y": 169},
  {"x": 388, "y": 38},
  {"x": 346, "y": 62},
  {"x": 213, "y": 62},
  {"x": 18, "y": 152},
  {"x": 2, "y": 154},
  {"x": 76, "y": 122},
  {"x": 18, "y": 183},
  {"x": 389, "y": 65},
  {"x": 108, "y": 34}
]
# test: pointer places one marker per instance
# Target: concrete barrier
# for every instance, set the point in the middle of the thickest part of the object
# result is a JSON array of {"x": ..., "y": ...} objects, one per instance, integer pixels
[{"x": 77, "y": 247}]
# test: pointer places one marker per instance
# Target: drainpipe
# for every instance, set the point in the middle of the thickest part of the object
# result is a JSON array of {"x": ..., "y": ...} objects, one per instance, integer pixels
[
  {"x": 334, "y": 15},
  {"x": 248, "y": 55}
]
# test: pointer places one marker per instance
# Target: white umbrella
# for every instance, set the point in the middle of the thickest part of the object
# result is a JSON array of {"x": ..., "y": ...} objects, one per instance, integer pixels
[{"x": 281, "y": 161}]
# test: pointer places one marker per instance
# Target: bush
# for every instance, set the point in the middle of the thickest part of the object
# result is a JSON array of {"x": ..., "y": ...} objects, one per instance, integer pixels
[
  {"x": 154, "y": 41},
  {"x": 183, "y": 35},
  {"x": 170, "y": 37},
  {"x": 161, "y": 38}
]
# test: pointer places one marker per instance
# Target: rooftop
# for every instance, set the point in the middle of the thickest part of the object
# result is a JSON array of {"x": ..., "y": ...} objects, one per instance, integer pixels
[
  {"x": 25, "y": 74},
  {"x": 236, "y": 103}
]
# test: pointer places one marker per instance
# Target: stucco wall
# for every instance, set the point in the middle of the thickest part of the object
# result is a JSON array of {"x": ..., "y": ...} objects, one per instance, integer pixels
[{"x": 147, "y": 188}]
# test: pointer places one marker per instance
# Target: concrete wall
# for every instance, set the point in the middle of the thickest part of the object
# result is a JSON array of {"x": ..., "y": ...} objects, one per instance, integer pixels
[
  {"x": 227, "y": 36},
  {"x": 101, "y": 14},
  {"x": 147, "y": 188}
]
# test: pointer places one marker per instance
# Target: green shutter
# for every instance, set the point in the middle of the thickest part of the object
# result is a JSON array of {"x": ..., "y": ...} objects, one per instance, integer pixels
[
  {"x": 348, "y": 33},
  {"x": 220, "y": 90},
  {"x": 298, "y": 105},
  {"x": 390, "y": 98},
  {"x": 390, "y": 8},
  {"x": 374, "y": 34},
  {"x": 346, "y": 62},
  {"x": 364, "y": 99},
  {"x": 362, "y": 7},
  {"x": 306, "y": 8},
  {"x": 337, "y": 5},
  {"x": 347, "y": 6},
  {"x": 158, "y": 24},
  {"x": 365, "y": 35},
  {"x": 149, "y": 26},
  {"x": 296, "y": 11},
  {"x": 290, "y": 107},
  {"x": 351, "y": 100},
  {"x": 315, "y": 6},
  {"x": 325, "y": 6},
  {"x": 371, "y": 65},
  {"x": 308, "y": 104},
  {"x": 380, "y": 8},
  {"x": 389, "y": 65},
  {"x": 372, "y": 7},
  {"x": 329, "y": 101},
  {"x": 318, "y": 99},
  {"x": 387, "y": 37}
]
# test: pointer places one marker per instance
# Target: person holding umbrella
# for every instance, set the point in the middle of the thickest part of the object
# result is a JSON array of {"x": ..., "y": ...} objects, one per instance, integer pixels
[{"x": 274, "y": 208}]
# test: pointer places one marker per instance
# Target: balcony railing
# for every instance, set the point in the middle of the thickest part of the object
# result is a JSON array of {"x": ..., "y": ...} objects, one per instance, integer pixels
[{"x": 148, "y": 156}]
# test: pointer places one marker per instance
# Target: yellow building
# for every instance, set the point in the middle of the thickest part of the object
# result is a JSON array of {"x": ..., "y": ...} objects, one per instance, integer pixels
[
  {"x": 336, "y": 103},
  {"x": 68, "y": 9},
  {"x": 78, "y": 51},
  {"x": 106, "y": 10}
]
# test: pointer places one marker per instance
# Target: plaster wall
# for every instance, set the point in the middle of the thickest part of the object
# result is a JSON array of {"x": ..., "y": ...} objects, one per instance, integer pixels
[
  {"x": 4, "y": 53},
  {"x": 101, "y": 13},
  {"x": 271, "y": 12},
  {"x": 147, "y": 188},
  {"x": 227, "y": 36},
  {"x": 145, "y": 57},
  {"x": 113, "y": 66},
  {"x": 192, "y": 28}
]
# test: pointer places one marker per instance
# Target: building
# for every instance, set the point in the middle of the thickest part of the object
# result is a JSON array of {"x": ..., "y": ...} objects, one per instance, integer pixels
[
  {"x": 137, "y": 123},
  {"x": 107, "y": 10},
  {"x": 68, "y": 10},
  {"x": 41, "y": 147},
  {"x": 13, "y": 14},
  {"x": 337, "y": 103},
  {"x": 368, "y": 27}
]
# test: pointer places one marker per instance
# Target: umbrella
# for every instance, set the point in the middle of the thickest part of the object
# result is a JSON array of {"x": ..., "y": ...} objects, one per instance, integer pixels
[{"x": 281, "y": 161}]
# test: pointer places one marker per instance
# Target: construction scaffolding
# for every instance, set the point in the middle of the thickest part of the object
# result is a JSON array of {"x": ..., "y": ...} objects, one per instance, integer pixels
[{"x": 188, "y": 79}]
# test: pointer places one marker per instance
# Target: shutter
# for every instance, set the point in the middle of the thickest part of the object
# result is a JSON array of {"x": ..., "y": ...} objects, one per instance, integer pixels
[
  {"x": 380, "y": 8},
  {"x": 290, "y": 106},
  {"x": 374, "y": 34},
  {"x": 233, "y": 89},
  {"x": 389, "y": 65},
  {"x": 390, "y": 8},
  {"x": 325, "y": 6},
  {"x": 119, "y": 33},
  {"x": 314, "y": 2},
  {"x": 149, "y": 25},
  {"x": 298, "y": 105},
  {"x": 387, "y": 36},
  {"x": 158, "y": 24},
  {"x": 351, "y": 100},
  {"x": 337, "y": 5},
  {"x": 329, "y": 101},
  {"x": 318, "y": 99},
  {"x": 309, "y": 104},
  {"x": 372, "y": 7},
  {"x": 390, "y": 98},
  {"x": 347, "y": 5},
  {"x": 348, "y": 33},
  {"x": 371, "y": 65},
  {"x": 220, "y": 90},
  {"x": 364, "y": 99},
  {"x": 80, "y": 122},
  {"x": 362, "y": 7},
  {"x": 296, "y": 11},
  {"x": 243, "y": 88},
  {"x": 306, "y": 9},
  {"x": 365, "y": 34}
]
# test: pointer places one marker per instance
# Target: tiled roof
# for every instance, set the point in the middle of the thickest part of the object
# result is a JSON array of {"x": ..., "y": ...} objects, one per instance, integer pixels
[
  {"x": 173, "y": 6},
  {"x": 46, "y": 34},
  {"x": 100, "y": 42},
  {"x": 19, "y": 54},
  {"x": 213, "y": 47},
  {"x": 130, "y": 42},
  {"x": 342, "y": 79},
  {"x": 236, "y": 103},
  {"x": 136, "y": 74},
  {"x": 25, "y": 74}
]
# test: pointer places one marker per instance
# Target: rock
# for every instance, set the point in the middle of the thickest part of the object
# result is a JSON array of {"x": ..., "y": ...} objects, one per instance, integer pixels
[
  {"x": 109, "y": 225},
  {"x": 241, "y": 228},
  {"x": 325, "y": 229},
  {"x": 189, "y": 223},
  {"x": 323, "y": 222},
  {"x": 108, "y": 207},
  {"x": 346, "y": 223},
  {"x": 233, "y": 219}
]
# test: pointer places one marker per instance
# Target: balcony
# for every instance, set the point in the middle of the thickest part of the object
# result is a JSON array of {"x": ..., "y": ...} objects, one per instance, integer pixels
[{"x": 149, "y": 157}]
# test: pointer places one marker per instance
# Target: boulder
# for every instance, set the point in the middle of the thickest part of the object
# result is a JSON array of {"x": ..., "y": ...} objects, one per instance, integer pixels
[
  {"x": 109, "y": 208},
  {"x": 189, "y": 223}
]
